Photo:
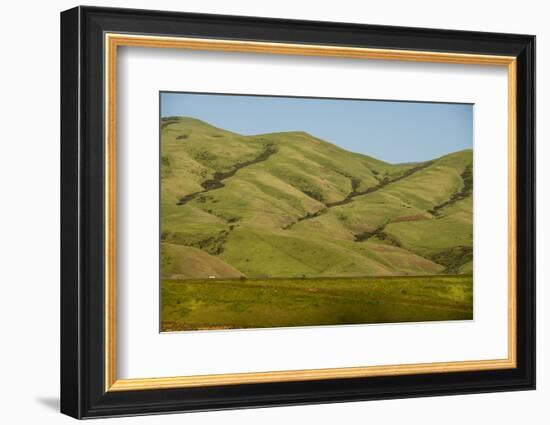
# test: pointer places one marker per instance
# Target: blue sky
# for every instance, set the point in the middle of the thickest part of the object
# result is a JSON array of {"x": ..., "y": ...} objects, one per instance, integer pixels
[{"x": 391, "y": 131}]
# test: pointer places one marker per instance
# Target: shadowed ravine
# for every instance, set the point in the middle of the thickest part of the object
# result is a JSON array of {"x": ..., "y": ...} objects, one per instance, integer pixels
[
  {"x": 216, "y": 182},
  {"x": 377, "y": 233},
  {"x": 465, "y": 191},
  {"x": 355, "y": 193}
]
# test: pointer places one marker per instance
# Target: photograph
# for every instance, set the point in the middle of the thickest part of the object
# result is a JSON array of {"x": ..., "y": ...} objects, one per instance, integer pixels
[{"x": 280, "y": 211}]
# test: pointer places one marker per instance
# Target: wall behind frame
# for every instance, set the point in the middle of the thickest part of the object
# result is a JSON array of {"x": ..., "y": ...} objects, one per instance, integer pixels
[{"x": 29, "y": 219}]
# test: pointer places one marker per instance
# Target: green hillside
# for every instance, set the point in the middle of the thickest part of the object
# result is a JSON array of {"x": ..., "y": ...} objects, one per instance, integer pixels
[{"x": 292, "y": 205}]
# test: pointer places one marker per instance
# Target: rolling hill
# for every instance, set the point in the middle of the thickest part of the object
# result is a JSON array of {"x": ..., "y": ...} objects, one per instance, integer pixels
[{"x": 292, "y": 205}]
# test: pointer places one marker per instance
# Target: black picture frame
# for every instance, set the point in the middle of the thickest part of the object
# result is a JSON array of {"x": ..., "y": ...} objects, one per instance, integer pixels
[{"x": 83, "y": 392}]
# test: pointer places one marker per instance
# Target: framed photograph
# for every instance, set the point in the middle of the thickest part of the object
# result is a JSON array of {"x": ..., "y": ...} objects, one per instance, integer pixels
[{"x": 261, "y": 212}]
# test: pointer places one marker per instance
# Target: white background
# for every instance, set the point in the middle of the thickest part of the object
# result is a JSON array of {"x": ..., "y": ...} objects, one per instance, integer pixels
[
  {"x": 193, "y": 353},
  {"x": 29, "y": 225}
]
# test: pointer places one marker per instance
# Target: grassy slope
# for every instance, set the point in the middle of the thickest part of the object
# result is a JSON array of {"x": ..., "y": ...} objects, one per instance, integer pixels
[
  {"x": 402, "y": 209},
  {"x": 240, "y": 225},
  {"x": 185, "y": 262}
]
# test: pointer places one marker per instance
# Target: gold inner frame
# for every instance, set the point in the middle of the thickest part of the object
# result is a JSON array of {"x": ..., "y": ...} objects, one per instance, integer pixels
[{"x": 113, "y": 41}]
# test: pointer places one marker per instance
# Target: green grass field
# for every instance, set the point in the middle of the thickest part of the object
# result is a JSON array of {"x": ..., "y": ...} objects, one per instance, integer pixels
[{"x": 255, "y": 303}]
